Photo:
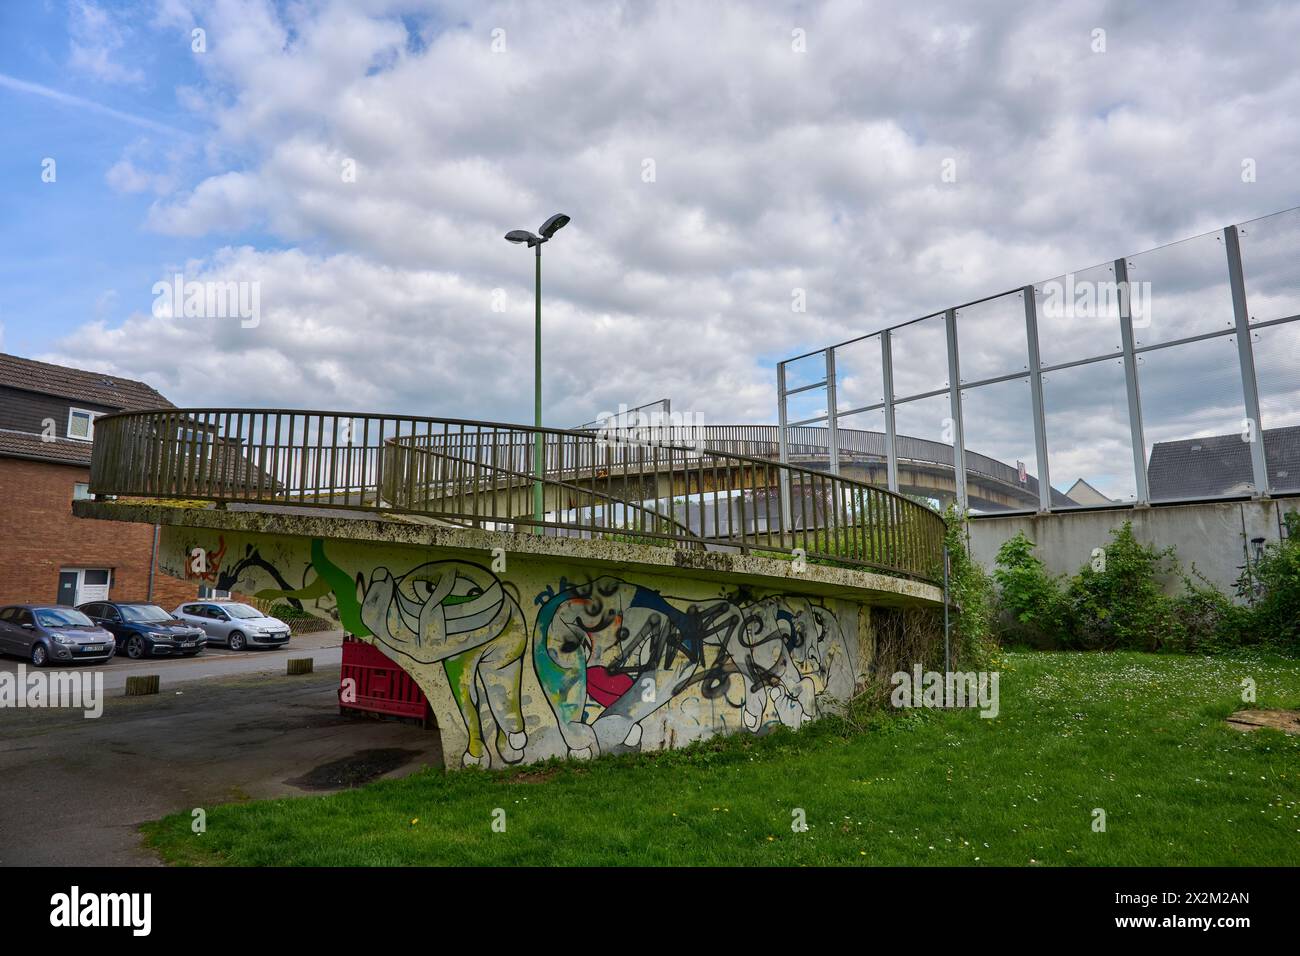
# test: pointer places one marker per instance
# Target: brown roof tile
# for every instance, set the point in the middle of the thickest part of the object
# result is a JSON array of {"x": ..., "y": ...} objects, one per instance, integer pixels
[
  {"x": 60, "y": 450},
  {"x": 97, "y": 388}
]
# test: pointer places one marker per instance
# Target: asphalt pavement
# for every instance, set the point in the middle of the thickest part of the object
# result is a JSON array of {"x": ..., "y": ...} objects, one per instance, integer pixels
[{"x": 225, "y": 727}]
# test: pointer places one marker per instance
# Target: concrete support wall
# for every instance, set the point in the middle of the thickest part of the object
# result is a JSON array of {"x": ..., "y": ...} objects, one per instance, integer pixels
[
  {"x": 526, "y": 656},
  {"x": 1215, "y": 537}
]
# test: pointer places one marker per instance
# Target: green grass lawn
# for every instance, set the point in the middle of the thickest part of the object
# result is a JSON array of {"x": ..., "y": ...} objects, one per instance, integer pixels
[{"x": 1140, "y": 736}]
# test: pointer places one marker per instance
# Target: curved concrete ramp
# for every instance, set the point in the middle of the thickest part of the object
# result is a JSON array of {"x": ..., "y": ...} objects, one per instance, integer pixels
[{"x": 531, "y": 647}]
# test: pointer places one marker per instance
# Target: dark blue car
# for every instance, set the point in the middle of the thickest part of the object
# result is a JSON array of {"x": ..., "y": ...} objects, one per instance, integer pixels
[{"x": 145, "y": 630}]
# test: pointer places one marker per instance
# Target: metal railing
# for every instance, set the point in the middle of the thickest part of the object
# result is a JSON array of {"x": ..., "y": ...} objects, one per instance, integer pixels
[
  {"x": 808, "y": 445},
  {"x": 480, "y": 474},
  {"x": 805, "y": 441}
]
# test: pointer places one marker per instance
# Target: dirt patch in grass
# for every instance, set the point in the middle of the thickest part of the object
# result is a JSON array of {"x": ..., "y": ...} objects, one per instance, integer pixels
[
  {"x": 362, "y": 767},
  {"x": 1287, "y": 721},
  {"x": 530, "y": 776}
]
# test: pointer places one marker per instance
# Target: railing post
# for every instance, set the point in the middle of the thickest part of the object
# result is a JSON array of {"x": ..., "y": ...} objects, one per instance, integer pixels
[
  {"x": 1143, "y": 493},
  {"x": 891, "y": 447},
  {"x": 1036, "y": 399},
  {"x": 1246, "y": 361},
  {"x": 954, "y": 403}
]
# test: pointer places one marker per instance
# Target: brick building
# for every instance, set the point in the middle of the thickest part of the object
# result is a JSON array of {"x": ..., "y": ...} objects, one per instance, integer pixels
[{"x": 47, "y": 424}]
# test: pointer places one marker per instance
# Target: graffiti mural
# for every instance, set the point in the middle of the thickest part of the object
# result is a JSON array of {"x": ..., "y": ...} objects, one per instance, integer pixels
[
  {"x": 452, "y": 614},
  {"x": 610, "y": 653},
  {"x": 617, "y": 664},
  {"x": 460, "y": 616}
]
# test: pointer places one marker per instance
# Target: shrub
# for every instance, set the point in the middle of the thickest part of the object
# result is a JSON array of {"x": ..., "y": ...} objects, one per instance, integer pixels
[
  {"x": 903, "y": 637},
  {"x": 971, "y": 591},
  {"x": 287, "y": 612},
  {"x": 1273, "y": 617},
  {"x": 1204, "y": 619},
  {"x": 1031, "y": 607},
  {"x": 1121, "y": 604}
]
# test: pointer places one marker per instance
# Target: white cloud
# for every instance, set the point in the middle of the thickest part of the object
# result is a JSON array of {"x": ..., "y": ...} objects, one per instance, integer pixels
[
  {"x": 774, "y": 170},
  {"x": 146, "y": 167},
  {"x": 96, "y": 38}
]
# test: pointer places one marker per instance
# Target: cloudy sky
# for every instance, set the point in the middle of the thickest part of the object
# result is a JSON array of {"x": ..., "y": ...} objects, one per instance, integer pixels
[{"x": 360, "y": 161}]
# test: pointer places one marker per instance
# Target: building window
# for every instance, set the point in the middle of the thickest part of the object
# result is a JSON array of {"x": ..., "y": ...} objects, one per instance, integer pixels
[
  {"x": 81, "y": 491},
  {"x": 81, "y": 424}
]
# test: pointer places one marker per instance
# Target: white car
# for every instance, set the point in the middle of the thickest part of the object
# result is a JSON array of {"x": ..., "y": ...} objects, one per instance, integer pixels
[{"x": 235, "y": 625}]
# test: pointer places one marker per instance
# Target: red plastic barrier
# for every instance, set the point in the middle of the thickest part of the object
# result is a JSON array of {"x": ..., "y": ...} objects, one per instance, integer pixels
[{"x": 382, "y": 687}]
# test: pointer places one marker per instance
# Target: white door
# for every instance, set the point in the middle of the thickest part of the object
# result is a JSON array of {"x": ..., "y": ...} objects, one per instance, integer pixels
[{"x": 92, "y": 583}]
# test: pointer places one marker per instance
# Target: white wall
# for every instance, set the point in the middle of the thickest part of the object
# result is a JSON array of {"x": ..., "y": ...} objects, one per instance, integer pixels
[{"x": 1214, "y": 537}]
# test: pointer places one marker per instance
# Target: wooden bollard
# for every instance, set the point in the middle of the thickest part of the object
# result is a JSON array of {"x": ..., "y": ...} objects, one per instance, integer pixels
[
  {"x": 300, "y": 665},
  {"x": 143, "y": 685}
]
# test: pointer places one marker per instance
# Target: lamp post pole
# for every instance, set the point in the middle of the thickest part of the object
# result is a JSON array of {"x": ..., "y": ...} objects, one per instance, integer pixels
[
  {"x": 519, "y": 237},
  {"x": 538, "y": 501}
]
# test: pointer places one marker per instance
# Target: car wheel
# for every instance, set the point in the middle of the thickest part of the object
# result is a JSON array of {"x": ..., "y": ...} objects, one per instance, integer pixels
[
  {"x": 40, "y": 656},
  {"x": 236, "y": 641},
  {"x": 135, "y": 648}
]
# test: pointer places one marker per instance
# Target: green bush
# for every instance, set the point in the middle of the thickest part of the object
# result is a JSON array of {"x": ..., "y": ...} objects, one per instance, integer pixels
[
  {"x": 1273, "y": 585},
  {"x": 1204, "y": 618},
  {"x": 287, "y": 612},
  {"x": 1120, "y": 603},
  {"x": 1031, "y": 607},
  {"x": 971, "y": 591}
]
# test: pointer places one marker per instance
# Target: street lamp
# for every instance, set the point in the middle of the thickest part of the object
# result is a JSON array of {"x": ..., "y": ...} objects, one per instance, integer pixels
[{"x": 549, "y": 229}]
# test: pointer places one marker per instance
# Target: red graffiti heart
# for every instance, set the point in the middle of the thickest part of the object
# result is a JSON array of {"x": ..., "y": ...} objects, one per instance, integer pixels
[{"x": 606, "y": 687}]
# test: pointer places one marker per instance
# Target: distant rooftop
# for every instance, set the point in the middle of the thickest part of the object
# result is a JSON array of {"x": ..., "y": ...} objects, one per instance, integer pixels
[
  {"x": 96, "y": 388},
  {"x": 77, "y": 386},
  {"x": 1220, "y": 465}
]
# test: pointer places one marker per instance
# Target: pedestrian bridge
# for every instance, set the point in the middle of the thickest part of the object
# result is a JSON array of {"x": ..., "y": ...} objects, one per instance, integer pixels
[
  {"x": 664, "y": 593},
  {"x": 925, "y": 467},
  {"x": 486, "y": 475}
]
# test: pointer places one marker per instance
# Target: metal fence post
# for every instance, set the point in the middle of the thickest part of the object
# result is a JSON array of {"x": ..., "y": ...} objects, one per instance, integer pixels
[
  {"x": 891, "y": 447},
  {"x": 832, "y": 414},
  {"x": 954, "y": 403},
  {"x": 783, "y": 445},
  {"x": 1246, "y": 360},
  {"x": 1143, "y": 493},
  {"x": 1036, "y": 400},
  {"x": 947, "y": 600}
]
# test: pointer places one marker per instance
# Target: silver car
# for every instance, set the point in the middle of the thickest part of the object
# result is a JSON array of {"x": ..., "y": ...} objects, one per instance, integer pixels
[
  {"x": 46, "y": 633},
  {"x": 233, "y": 624}
]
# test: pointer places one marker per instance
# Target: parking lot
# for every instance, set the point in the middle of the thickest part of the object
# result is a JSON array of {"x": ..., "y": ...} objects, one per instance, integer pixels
[
  {"x": 325, "y": 648},
  {"x": 226, "y": 726}
]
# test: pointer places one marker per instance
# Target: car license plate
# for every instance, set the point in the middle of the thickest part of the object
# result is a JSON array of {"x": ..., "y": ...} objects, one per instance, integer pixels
[
  {"x": 92, "y": 648},
  {"x": 187, "y": 643}
]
